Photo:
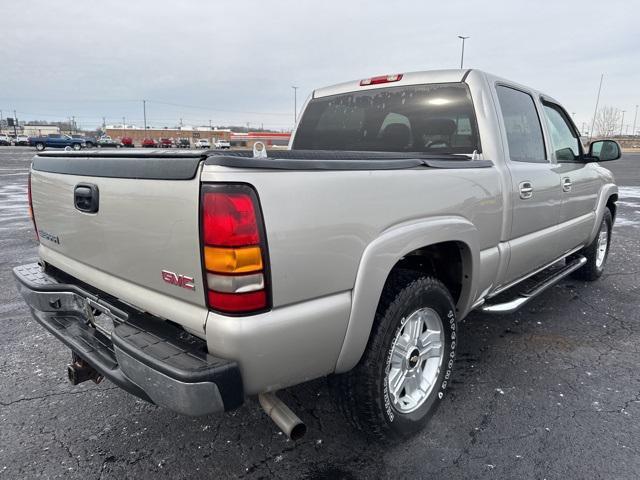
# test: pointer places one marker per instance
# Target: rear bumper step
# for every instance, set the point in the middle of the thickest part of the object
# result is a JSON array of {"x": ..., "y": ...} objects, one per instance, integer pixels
[
  {"x": 522, "y": 298},
  {"x": 144, "y": 355}
]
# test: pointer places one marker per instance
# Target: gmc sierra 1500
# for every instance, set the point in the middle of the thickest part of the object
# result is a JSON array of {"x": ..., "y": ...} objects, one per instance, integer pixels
[{"x": 194, "y": 279}]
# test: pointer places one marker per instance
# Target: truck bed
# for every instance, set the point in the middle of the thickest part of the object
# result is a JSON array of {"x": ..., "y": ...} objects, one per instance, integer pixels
[{"x": 182, "y": 165}]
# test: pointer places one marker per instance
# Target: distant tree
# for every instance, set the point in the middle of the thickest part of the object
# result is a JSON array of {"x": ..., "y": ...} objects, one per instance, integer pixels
[{"x": 607, "y": 121}]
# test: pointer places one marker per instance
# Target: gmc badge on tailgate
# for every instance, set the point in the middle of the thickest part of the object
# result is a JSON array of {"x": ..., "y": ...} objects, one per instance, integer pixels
[{"x": 178, "y": 280}]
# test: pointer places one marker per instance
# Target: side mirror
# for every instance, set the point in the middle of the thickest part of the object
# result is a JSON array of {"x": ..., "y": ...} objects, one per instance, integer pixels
[{"x": 604, "y": 151}]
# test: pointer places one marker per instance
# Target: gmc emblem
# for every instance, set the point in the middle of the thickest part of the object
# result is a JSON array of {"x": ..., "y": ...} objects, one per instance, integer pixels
[{"x": 178, "y": 280}]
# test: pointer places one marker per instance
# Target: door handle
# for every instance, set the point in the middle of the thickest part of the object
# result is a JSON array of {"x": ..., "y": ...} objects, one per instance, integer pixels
[
  {"x": 526, "y": 190},
  {"x": 566, "y": 184}
]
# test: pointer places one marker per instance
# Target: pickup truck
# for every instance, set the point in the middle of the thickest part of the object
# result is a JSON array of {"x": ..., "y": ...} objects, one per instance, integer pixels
[
  {"x": 405, "y": 202},
  {"x": 222, "y": 144},
  {"x": 56, "y": 140}
]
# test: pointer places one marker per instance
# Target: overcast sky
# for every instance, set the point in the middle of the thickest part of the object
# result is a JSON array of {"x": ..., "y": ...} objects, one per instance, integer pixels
[{"x": 234, "y": 62}]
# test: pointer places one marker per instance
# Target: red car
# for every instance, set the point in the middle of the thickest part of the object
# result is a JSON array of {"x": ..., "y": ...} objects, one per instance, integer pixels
[
  {"x": 149, "y": 143},
  {"x": 127, "y": 142},
  {"x": 166, "y": 143}
]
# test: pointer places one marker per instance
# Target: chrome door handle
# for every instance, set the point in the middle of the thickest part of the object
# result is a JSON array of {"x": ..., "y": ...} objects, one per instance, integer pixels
[
  {"x": 526, "y": 190},
  {"x": 566, "y": 184}
]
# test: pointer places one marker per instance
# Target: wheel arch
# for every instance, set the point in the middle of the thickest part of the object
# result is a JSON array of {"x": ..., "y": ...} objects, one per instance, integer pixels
[
  {"x": 606, "y": 199},
  {"x": 423, "y": 246}
]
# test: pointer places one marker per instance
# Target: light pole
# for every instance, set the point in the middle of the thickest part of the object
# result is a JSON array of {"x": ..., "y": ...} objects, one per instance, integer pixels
[
  {"x": 144, "y": 113},
  {"x": 633, "y": 132},
  {"x": 295, "y": 104},
  {"x": 462, "y": 54},
  {"x": 622, "y": 123},
  {"x": 595, "y": 112}
]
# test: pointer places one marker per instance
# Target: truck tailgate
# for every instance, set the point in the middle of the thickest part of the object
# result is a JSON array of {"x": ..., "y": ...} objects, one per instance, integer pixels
[{"x": 146, "y": 223}]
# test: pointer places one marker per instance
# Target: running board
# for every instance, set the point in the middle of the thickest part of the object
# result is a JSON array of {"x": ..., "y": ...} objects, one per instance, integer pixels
[{"x": 522, "y": 298}]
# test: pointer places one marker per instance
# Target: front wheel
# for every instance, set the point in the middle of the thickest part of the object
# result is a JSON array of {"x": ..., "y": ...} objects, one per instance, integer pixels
[
  {"x": 76, "y": 146},
  {"x": 597, "y": 251},
  {"x": 404, "y": 372}
]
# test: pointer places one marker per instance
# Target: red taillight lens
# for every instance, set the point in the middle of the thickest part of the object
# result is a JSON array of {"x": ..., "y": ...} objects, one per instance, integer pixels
[
  {"x": 233, "y": 250},
  {"x": 229, "y": 219},
  {"x": 238, "y": 302},
  {"x": 33, "y": 218}
]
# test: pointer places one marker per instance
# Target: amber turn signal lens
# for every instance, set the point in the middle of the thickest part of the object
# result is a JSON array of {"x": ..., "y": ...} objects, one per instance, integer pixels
[{"x": 233, "y": 260}]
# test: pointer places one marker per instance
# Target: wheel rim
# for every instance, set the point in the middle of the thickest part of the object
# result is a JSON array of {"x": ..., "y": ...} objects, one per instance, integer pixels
[
  {"x": 603, "y": 245},
  {"x": 417, "y": 353}
]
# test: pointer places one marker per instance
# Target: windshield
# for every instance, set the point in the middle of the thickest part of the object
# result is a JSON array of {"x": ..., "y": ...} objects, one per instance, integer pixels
[{"x": 436, "y": 118}]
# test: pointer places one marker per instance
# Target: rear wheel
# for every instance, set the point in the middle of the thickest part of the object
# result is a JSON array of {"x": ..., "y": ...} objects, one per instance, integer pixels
[
  {"x": 402, "y": 376},
  {"x": 76, "y": 146},
  {"x": 597, "y": 251},
  {"x": 39, "y": 146}
]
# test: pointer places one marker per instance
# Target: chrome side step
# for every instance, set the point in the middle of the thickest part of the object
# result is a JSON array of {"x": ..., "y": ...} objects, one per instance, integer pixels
[{"x": 523, "y": 297}]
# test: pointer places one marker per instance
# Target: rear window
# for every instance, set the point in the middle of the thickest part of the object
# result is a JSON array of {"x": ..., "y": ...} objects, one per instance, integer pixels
[{"x": 434, "y": 118}]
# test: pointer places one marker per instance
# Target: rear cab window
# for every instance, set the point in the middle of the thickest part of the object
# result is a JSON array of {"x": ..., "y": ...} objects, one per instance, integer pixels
[
  {"x": 522, "y": 125},
  {"x": 431, "y": 118}
]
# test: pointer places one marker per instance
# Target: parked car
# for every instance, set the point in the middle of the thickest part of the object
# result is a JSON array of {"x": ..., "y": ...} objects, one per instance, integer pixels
[
  {"x": 56, "y": 140},
  {"x": 149, "y": 143},
  {"x": 166, "y": 143},
  {"x": 108, "y": 142},
  {"x": 5, "y": 140},
  {"x": 183, "y": 143},
  {"x": 354, "y": 255},
  {"x": 21, "y": 140},
  {"x": 89, "y": 141},
  {"x": 222, "y": 144},
  {"x": 127, "y": 142},
  {"x": 203, "y": 143}
]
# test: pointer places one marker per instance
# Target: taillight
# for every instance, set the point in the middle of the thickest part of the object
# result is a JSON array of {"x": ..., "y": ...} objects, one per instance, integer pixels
[
  {"x": 33, "y": 218},
  {"x": 381, "y": 79},
  {"x": 234, "y": 251}
]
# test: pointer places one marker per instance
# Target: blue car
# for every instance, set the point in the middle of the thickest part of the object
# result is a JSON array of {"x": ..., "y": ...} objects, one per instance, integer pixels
[{"x": 56, "y": 140}]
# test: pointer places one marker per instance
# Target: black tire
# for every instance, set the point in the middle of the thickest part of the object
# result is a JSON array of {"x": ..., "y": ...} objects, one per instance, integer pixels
[
  {"x": 362, "y": 393},
  {"x": 76, "y": 146},
  {"x": 39, "y": 146},
  {"x": 591, "y": 270}
]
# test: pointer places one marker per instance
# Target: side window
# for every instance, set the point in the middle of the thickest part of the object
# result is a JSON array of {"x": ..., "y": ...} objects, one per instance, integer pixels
[
  {"x": 524, "y": 133},
  {"x": 566, "y": 145}
]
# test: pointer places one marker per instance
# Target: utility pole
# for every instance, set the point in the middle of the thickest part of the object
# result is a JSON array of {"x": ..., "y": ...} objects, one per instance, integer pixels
[
  {"x": 622, "y": 123},
  {"x": 124, "y": 126},
  {"x": 144, "y": 112},
  {"x": 633, "y": 131},
  {"x": 73, "y": 124},
  {"x": 295, "y": 104},
  {"x": 595, "y": 112},
  {"x": 210, "y": 127},
  {"x": 104, "y": 123},
  {"x": 15, "y": 123},
  {"x": 462, "y": 54},
  {"x": 1, "y": 120}
]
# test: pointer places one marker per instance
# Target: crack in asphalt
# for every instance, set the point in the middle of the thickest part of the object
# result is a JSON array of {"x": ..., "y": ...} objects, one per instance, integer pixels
[{"x": 55, "y": 394}]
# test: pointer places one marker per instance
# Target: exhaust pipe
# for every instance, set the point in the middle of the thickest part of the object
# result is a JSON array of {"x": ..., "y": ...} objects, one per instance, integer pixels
[
  {"x": 80, "y": 371},
  {"x": 282, "y": 416}
]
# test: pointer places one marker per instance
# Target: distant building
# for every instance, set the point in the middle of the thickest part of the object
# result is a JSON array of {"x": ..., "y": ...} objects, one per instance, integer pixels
[
  {"x": 270, "y": 139},
  {"x": 39, "y": 130},
  {"x": 192, "y": 133}
]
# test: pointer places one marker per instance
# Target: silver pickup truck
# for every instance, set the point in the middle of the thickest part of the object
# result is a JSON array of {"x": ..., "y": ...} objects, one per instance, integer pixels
[{"x": 196, "y": 279}]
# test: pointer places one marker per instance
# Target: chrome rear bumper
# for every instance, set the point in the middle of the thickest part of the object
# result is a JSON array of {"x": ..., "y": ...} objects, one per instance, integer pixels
[{"x": 142, "y": 354}]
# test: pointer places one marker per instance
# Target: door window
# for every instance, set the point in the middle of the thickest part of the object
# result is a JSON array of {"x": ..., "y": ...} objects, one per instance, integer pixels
[
  {"x": 566, "y": 145},
  {"x": 522, "y": 125}
]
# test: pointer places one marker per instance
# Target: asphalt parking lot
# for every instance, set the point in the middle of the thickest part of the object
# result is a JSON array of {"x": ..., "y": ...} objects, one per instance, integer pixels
[{"x": 552, "y": 391}]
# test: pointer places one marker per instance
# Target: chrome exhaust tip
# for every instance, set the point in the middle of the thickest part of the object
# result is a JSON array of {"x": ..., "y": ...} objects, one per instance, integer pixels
[{"x": 282, "y": 416}]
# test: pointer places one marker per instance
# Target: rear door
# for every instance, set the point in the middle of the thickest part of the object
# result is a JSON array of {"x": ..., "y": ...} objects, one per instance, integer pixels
[{"x": 535, "y": 183}]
